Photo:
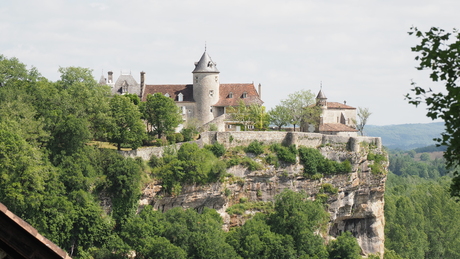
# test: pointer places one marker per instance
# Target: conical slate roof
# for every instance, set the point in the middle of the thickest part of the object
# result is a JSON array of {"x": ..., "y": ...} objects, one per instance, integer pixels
[
  {"x": 321, "y": 95},
  {"x": 205, "y": 65}
]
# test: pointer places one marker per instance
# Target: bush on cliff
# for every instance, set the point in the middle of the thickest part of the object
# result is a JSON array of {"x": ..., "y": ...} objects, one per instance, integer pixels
[{"x": 314, "y": 162}]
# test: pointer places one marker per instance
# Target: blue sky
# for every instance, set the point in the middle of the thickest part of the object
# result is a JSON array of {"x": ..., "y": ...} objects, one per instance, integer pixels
[{"x": 359, "y": 50}]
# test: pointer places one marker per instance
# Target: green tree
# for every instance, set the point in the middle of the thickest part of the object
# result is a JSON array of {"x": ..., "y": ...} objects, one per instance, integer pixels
[
  {"x": 297, "y": 103},
  {"x": 439, "y": 51},
  {"x": 363, "y": 115},
  {"x": 259, "y": 116},
  {"x": 127, "y": 125},
  {"x": 162, "y": 114},
  {"x": 344, "y": 247},
  {"x": 297, "y": 216},
  {"x": 241, "y": 114},
  {"x": 279, "y": 116},
  {"x": 12, "y": 72}
]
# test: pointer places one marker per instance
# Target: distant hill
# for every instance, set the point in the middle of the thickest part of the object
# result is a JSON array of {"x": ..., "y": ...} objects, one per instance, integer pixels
[{"x": 406, "y": 136}]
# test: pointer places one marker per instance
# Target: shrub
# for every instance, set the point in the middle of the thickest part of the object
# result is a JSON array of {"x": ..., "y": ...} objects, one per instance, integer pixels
[
  {"x": 271, "y": 159},
  {"x": 227, "y": 192},
  {"x": 179, "y": 137},
  {"x": 255, "y": 147},
  {"x": 188, "y": 134},
  {"x": 251, "y": 164},
  {"x": 212, "y": 127},
  {"x": 171, "y": 138},
  {"x": 315, "y": 163},
  {"x": 233, "y": 161},
  {"x": 286, "y": 154},
  {"x": 156, "y": 161},
  {"x": 217, "y": 149},
  {"x": 329, "y": 188}
]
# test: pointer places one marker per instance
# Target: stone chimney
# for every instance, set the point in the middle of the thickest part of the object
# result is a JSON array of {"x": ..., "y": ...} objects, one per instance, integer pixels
[
  {"x": 142, "y": 84},
  {"x": 260, "y": 91},
  {"x": 110, "y": 77}
]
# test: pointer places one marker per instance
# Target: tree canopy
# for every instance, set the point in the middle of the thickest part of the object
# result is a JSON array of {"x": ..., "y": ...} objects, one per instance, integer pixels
[{"x": 439, "y": 52}]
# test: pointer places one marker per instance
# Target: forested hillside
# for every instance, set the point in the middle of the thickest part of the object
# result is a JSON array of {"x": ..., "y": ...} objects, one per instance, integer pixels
[
  {"x": 421, "y": 217},
  {"x": 406, "y": 136}
]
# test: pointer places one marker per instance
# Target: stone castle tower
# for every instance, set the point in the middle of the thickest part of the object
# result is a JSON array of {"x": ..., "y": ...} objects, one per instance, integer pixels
[{"x": 205, "y": 88}]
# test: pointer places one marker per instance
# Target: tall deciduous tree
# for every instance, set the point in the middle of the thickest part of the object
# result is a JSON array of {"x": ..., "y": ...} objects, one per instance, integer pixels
[
  {"x": 363, "y": 115},
  {"x": 240, "y": 114},
  {"x": 127, "y": 125},
  {"x": 162, "y": 114},
  {"x": 439, "y": 52},
  {"x": 296, "y": 104},
  {"x": 279, "y": 116},
  {"x": 259, "y": 116}
]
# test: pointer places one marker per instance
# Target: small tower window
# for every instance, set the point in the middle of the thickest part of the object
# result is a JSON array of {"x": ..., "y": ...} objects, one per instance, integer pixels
[
  {"x": 210, "y": 109},
  {"x": 124, "y": 87},
  {"x": 216, "y": 78},
  {"x": 196, "y": 79},
  {"x": 211, "y": 93},
  {"x": 245, "y": 95},
  {"x": 180, "y": 97},
  {"x": 230, "y": 95}
]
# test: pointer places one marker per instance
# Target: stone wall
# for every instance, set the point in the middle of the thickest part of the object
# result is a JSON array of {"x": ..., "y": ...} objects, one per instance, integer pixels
[{"x": 243, "y": 138}]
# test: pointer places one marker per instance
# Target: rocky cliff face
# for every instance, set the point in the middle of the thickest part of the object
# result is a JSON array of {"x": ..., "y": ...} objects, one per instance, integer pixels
[{"x": 357, "y": 206}]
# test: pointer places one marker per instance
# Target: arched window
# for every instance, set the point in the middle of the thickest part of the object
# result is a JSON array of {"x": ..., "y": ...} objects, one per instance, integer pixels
[{"x": 180, "y": 97}]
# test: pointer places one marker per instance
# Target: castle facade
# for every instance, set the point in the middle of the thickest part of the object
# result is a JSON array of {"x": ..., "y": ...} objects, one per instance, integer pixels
[{"x": 205, "y": 100}]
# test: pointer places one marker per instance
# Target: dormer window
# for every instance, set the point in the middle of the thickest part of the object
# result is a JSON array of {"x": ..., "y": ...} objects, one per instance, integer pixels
[
  {"x": 210, "y": 64},
  {"x": 167, "y": 95},
  {"x": 230, "y": 95},
  {"x": 124, "y": 87},
  {"x": 180, "y": 97},
  {"x": 245, "y": 95}
]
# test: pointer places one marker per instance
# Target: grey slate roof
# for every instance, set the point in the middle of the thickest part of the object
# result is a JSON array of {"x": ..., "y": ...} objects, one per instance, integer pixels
[
  {"x": 321, "y": 95},
  {"x": 205, "y": 65},
  {"x": 133, "y": 86}
]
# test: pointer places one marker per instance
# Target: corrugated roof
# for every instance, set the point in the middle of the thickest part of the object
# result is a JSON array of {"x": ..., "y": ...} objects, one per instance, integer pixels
[{"x": 335, "y": 127}]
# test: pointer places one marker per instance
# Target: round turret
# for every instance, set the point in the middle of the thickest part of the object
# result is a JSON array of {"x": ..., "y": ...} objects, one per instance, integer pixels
[{"x": 205, "y": 88}]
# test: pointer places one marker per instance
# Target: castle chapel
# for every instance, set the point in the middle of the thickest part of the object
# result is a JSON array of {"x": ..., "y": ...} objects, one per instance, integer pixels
[
  {"x": 205, "y": 100},
  {"x": 335, "y": 119}
]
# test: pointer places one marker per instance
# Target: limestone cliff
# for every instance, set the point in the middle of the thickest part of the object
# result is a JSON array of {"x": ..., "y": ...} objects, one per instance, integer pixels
[{"x": 356, "y": 207}]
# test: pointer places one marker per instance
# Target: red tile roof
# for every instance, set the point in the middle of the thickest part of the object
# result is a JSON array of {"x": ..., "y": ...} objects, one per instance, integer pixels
[
  {"x": 225, "y": 99},
  {"x": 335, "y": 127},
  {"x": 172, "y": 90},
  {"x": 335, "y": 105},
  {"x": 238, "y": 90}
]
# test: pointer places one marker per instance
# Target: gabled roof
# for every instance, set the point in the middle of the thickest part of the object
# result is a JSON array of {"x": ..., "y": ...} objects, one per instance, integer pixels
[
  {"x": 335, "y": 127},
  {"x": 133, "y": 86},
  {"x": 335, "y": 105},
  {"x": 238, "y": 90},
  {"x": 20, "y": 240},
  {"x": 172, "y": 90},
  {"x": 205, "y": 65}
]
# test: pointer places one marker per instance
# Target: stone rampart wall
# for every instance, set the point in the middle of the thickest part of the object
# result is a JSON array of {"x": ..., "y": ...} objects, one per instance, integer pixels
[{"x": 243, "y": 138}]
